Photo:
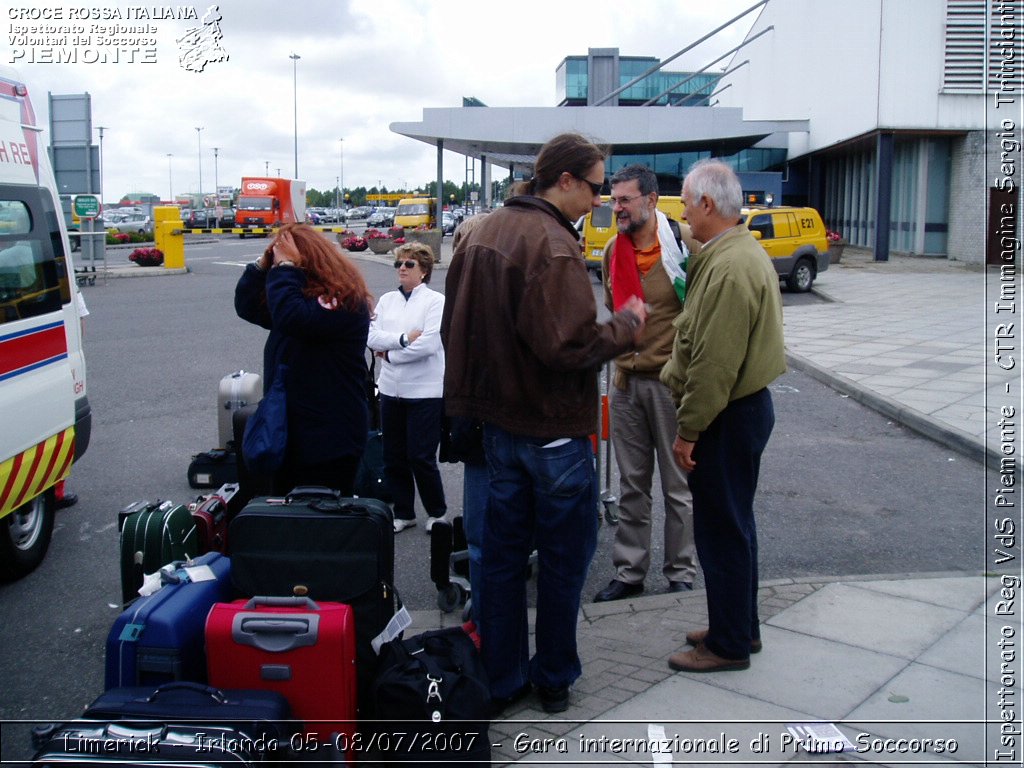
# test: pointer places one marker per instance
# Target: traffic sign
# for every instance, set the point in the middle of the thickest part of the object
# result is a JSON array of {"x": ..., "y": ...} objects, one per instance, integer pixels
[{"x": 87, "y": 206}]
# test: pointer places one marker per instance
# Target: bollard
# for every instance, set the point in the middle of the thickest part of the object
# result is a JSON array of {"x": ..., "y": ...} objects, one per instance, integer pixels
[{"x": 167, "y": 226}]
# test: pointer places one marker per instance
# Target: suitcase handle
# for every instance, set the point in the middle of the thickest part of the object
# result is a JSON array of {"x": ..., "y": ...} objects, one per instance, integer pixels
[
  {"x": 282, "y": 601},
  {"x": 275, "y": 633},
  {"x": 312, "y": 491},
  {"x": 182, "y": 685}
]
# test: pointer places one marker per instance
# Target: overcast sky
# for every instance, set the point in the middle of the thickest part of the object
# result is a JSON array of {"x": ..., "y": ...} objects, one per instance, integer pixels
[{"x": 363, "y": 66}]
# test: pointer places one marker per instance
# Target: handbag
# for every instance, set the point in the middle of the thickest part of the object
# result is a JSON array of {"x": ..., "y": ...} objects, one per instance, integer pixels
[
  {"x": 435, "y": 687},
  {"x": 266, "y": 433}
]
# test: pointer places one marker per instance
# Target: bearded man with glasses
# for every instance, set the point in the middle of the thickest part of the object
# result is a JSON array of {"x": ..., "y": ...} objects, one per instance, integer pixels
[{"x": 646, "y": 259}]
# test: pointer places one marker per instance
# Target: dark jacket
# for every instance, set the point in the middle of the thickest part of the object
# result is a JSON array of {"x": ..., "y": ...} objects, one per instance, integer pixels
[
  {"x": 324, "y": 352},
  {"x": 522, "y": 341}
]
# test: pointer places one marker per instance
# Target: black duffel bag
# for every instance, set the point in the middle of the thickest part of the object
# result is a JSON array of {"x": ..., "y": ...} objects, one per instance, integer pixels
[{"x": 432, "y": 701}]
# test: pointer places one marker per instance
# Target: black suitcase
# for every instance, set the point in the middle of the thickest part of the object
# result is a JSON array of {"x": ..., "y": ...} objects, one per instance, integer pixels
[
  {"x": 212, "y": 469},
  {"x": 433, "y": 687},
  {"x": 173, "y": 724},
  {"x": 318, "y": 544}
]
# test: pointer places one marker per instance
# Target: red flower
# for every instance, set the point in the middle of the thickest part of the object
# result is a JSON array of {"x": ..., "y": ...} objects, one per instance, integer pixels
[{"x": 147, "y": 257}]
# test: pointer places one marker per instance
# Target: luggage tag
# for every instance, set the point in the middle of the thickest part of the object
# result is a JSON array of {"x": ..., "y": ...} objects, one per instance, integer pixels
[
  {"x": 200, "y": 573},
  {"x": 400, "y": 622}
]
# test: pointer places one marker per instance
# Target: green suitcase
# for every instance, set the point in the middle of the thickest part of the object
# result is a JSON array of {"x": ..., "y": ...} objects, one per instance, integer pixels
[{"x": 153, "y": 535}]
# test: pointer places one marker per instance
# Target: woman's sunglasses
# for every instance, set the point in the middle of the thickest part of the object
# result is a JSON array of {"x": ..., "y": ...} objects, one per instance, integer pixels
[{"x": 408, "y": 264}]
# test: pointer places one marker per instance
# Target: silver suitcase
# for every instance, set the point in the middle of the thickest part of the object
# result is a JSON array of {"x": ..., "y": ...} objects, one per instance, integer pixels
[{"x": 237, "y": 390}]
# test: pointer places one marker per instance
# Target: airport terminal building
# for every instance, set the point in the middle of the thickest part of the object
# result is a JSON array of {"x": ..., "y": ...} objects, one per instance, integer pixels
[{"x": 889, "y": 116}]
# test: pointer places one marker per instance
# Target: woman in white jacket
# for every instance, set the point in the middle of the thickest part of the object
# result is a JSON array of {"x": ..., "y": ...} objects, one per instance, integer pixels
[{"x": 405, "y": 334}]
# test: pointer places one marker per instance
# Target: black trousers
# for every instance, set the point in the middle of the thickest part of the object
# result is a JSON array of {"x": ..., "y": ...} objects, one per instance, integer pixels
[{"x": 728, "y": 458}]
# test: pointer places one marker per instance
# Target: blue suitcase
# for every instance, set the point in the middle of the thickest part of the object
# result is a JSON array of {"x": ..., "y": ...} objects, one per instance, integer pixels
[
  {"x": 181, "y": 723},
  {"x": 160, "y": 638}
]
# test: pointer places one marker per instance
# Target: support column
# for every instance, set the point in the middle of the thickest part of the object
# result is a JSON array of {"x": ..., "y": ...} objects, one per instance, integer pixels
[
  {"x": 485, "y": 182},
  {"x": 883, "y": 199}
]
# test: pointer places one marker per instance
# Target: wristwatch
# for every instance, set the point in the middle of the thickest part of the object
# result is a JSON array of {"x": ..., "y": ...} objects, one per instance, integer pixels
[{"x": 403, "y": 341}]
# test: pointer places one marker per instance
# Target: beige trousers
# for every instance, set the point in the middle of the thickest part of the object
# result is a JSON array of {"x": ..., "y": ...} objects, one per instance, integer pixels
[{"x": 643, "y": 427}]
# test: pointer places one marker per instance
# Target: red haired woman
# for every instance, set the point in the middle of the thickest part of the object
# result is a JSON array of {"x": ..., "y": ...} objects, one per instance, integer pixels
[{"x": 316, "y": 305}]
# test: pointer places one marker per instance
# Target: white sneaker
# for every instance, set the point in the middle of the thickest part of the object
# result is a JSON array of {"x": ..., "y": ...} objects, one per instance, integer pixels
[
  {"x": 401, "y": 525},
  {"x": 431, "y": 520}
]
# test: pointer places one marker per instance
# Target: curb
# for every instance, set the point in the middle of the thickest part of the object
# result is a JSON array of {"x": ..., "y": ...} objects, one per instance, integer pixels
[{"x": 951, "y": 437}]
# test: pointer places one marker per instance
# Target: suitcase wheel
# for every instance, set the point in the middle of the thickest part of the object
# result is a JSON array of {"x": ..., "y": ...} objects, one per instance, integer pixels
[{"x": 451, "y": 597}]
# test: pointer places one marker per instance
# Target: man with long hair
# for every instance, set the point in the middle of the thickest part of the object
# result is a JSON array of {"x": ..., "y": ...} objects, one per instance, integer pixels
[{"x": 523, "y": 348}]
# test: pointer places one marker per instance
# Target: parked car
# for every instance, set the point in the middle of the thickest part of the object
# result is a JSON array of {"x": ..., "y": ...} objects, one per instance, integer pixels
[
  {"x": 359, "y": 212},
  {"x": 201, "y": 218},
  {"x": 448, "y": 223},
  {"x": 227, "y": 218},
  {"x": 382, "y": 217},
  {"x": 796, "y": 240},
  {"x": 132, "y": 222}
]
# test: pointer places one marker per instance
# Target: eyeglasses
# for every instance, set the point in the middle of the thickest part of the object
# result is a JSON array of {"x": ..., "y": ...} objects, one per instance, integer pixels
[
  {"x": 625, "y": 200},
  {"x": 595, "y": 187},
  {"x": 408, "y": 264}
]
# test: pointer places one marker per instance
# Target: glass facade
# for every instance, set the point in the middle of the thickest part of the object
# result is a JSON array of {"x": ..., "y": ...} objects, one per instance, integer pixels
[
  {"x": 920, "y": 195},
  {"x": 572, "y": 83}
]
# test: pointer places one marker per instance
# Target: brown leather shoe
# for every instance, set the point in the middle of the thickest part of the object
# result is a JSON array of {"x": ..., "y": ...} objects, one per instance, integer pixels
[
  {"x": 697, "y": 637},
  {"x": 700, "y": 659}
]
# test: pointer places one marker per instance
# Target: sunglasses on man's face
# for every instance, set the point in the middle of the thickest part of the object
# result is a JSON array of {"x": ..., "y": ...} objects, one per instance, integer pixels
[
  {"x": 595, "y": 186},
  {"x": 408, "y": 264}
]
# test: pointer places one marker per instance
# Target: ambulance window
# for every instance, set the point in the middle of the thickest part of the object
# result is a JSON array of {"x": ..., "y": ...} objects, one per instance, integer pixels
[
  {"x": 32, "y": 283},
  {"x": 14, "y": 218}
]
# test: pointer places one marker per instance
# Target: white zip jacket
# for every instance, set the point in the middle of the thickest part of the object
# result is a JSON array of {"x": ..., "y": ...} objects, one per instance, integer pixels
[{"x": 416, "y": 371}]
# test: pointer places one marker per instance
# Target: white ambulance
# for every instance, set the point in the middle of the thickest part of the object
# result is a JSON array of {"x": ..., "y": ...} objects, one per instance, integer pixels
[{"x": 45, "y": 417}]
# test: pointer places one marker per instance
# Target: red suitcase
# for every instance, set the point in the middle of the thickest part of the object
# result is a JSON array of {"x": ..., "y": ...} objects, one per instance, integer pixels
[
  {"x": 303, "y": 650},
  {"x": 211, "y": 517}
]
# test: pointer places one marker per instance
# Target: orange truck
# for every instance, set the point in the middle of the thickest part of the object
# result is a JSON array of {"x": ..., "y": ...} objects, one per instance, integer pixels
[{"x": 266, "y": 202}]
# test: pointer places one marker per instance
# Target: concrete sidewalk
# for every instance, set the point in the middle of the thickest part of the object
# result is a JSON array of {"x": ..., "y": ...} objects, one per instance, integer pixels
[{"x": 903, "y": 663}]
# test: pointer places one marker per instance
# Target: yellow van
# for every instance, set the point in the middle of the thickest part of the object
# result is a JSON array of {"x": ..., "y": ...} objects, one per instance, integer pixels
[
  {"x": 599, "y": 226},
  {"x": 415, "y": 212},
  {"x": 795, "y": 239}
]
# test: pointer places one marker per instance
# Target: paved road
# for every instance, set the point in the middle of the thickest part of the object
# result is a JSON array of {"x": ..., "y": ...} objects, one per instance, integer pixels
[{"x": 843, "y": 490}]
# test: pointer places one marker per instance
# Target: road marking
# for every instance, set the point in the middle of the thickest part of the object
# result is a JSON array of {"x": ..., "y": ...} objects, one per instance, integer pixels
[{"x": 233, "y": 263}]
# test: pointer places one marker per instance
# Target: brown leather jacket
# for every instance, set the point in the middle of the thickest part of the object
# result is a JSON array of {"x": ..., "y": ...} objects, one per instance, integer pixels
[{"x": 522, "y": 343}]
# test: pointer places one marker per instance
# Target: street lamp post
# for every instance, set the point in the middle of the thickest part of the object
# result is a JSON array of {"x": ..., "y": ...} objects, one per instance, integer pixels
[
  {"x": 101, "y": 129},
  {"x": 199, "y": 139},
  {"x": 341, "y": 171},
  {"x": 295, "y": 106},
  {"x": 266, "y": 167},
  {"x": 216, "y": 183},
  {"x": 170, "y": 179}
]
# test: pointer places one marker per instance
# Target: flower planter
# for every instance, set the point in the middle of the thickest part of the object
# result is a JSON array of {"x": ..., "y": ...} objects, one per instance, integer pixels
[
  {"x": 835, "y": 251},
  {"x": 381, "y": 244},
  {"x": 431, "y": 237},
  {"x": 352, "y": 244}
]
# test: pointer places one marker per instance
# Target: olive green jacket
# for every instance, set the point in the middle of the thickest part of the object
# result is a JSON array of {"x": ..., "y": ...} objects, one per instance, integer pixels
[{"x": 728, "y": 340}]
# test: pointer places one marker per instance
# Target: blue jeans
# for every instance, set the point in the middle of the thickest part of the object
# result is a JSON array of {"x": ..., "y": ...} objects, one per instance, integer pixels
[
  {"x": 412, "y": 432},
  {"x": 544, "y": 498},
  {"x": 475, "y": 492},
  {"x": 728, "y": 456}
]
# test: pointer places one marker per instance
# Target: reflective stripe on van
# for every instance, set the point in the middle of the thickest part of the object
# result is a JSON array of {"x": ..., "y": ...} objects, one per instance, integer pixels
[
  {"x": 32, "y": 349},
  {"x": 28, "y": 474}
]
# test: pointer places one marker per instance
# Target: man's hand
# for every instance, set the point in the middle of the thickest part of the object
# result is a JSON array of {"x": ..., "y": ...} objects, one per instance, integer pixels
[
  {"x": 634, "y": 306},
  {"x": 682, "y": 450},
  {"x": 411, "y": 336}
]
